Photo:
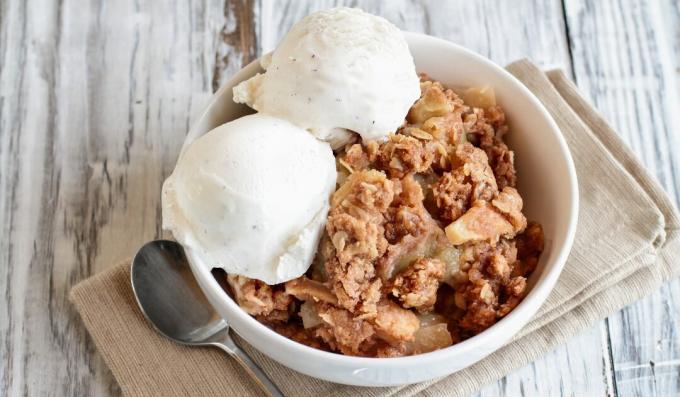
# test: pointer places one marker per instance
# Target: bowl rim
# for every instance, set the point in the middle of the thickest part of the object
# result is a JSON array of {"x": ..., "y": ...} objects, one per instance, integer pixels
[{"x": 527, "y": 308}]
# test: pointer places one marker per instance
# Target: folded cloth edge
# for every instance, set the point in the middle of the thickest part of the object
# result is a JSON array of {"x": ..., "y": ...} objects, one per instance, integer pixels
[{"x": 618, "y": 148}]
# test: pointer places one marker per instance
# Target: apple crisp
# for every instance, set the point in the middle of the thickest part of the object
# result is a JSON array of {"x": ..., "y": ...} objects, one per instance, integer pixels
[{"x": 425, "y": 244}]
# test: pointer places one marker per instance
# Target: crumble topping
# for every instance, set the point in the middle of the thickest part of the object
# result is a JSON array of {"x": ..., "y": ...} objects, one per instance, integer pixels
[
  {"x": 416, "y": 287},
  {"x": 425, "y": 245}
]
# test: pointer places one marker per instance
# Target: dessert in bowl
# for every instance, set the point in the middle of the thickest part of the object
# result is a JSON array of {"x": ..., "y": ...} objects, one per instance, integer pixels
[{"x": 426, "y": 261}]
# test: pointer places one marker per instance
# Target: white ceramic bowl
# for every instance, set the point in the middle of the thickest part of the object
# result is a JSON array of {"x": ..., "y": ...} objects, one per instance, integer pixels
[{"x": 547, "y": 182}]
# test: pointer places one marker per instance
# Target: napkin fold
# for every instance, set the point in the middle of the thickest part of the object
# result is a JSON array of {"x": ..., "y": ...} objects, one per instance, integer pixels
[{"x": 627, "y": 244}]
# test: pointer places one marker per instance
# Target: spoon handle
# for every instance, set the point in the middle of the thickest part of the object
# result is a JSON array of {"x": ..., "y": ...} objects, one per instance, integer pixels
[{"x": 258, "y": 375}]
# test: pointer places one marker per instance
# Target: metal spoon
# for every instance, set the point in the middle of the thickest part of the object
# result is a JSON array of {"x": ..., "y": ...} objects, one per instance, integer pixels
[{"x": 172, "y": 301}]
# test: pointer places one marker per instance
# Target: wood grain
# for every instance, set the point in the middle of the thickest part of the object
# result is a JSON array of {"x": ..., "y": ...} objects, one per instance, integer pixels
[
  {"x": 96, "y": 98},
  {"x": 625, "y": 57},
  {"x": 237, "y": 42},
  {"x": 496, "y": 29}
]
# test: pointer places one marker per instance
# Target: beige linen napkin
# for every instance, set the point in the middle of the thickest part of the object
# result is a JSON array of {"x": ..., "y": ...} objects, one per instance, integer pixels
[{"x": 627, "y": 245}]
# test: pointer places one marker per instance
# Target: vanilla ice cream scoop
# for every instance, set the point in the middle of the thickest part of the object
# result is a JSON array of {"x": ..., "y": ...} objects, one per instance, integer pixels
[
  {"x": 251, "y": 197},
  {"x": 337, "y": 70}
]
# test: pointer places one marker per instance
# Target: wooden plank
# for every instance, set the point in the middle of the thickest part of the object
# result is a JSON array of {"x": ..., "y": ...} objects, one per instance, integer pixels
[
  {"x": 624, "y": 63},
  {"x": 502, "y": 31},
  {"x": 237, "y": 43},
  {"x": 575, "y": 369},
  {"x": 626, "y": 58},
  {"x": 670, "y": 37},
  {"x": 96, "y": 99}
]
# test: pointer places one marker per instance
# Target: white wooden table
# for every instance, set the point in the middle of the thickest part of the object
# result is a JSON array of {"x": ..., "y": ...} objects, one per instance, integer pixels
[{"x": 96, "y": 97}]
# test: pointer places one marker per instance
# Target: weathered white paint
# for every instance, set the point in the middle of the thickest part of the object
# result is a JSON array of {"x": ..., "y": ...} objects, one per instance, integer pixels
[
  {"x": 96, "y": 97},
  {"x": 626, "y": 57}
]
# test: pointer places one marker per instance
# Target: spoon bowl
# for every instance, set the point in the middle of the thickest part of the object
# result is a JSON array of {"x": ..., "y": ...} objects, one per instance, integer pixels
[
  {"x": 169, "y": 296},
  {"x": 174, "y": 304}
]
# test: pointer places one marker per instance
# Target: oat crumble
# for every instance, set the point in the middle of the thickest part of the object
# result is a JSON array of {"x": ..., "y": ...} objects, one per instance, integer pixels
[{"x": 425, "y": 245}]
